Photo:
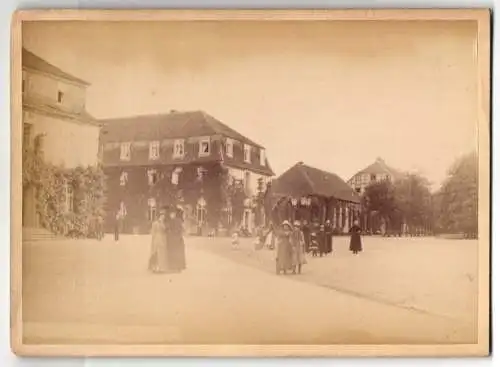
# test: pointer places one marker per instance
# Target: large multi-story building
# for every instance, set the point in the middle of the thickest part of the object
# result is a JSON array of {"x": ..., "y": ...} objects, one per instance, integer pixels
[
  {"x": 375, "y": 172},
  {"x": 179, "y": 157},
  {"x": 66, "y": 137}
]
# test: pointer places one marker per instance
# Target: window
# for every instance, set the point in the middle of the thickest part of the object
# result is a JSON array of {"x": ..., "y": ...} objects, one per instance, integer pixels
[
  {"x": 60, "y": 96},
  {"x": 151, "y": 209},
  {"x": 201, "y": 211},
  {"x": 125, "y": 151},
  {"x": 175, "y": 175},
  {"x": 27, "y": 128},
  {"x": 204, "y": 147},
  {"x": 229, "y": 148},
  {"x": 69, "y": 197},
  {"x": 154, "y": 150},
  {"x": 247, "y": 153},
  {"x": 123, "y": 210},
  {"x": 123, "y": 178},
  {"x": 373, "y": 177},
  {"x": 23, "y": 85},
  {"x": 262, "y": 157},
  {"x": 179, "y": 148},
  {"x": 152, "y": 177},
  {"x": 246, "y": 183},
  {"x": 358, "y": 190}
]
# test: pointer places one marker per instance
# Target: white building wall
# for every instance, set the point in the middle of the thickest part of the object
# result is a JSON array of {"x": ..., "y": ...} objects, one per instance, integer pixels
[
  {"x": 66, "y": 142},
  {"x": 45, "y": 88}
]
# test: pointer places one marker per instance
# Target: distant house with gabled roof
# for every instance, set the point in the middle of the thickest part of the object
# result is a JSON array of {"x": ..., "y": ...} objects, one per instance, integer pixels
[
  {"x": 375, "y": 172},
  {"x": 307, "y": 193},
  {"x": 141, "y": 151}
]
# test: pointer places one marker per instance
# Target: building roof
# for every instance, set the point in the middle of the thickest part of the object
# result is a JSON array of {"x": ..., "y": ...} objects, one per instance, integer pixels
[
  {"x": 32, "y": 61},
  {"x": 302, "y": 180},
  {"x": 379, "y": 167},
  {"x": 168, "y": 126}
]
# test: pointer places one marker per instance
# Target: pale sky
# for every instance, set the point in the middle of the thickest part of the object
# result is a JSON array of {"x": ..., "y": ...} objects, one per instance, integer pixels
[{"x": 334, "y": 95}]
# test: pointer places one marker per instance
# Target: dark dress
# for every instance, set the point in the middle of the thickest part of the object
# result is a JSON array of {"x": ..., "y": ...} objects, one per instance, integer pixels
[
  {"x": 355, "y": 245},
  {"x": 329, "y": 238},
  {"x": 175, "y": 245},
  {"x": 322, "y": 242},
  {"x": 307, "y": 236}
]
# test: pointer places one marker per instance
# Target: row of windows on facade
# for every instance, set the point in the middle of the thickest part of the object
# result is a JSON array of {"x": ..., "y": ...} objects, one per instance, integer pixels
[
  {"x": 154, "y": 176},
  {"x": 368, "y": 178},
  {"x": 203, "y": 151},
  {"x": 199, "y": 212}
]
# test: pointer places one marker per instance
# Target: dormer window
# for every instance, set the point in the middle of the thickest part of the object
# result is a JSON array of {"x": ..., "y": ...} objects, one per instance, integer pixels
[
  {"x": 154, "y": 150},
  {"x": 125, "y": 151},
  {"x": 204, "y": 150},
  {"x": 262, "y": 157},
  {"x": 247, "y": 152},
  {"x": 60, "y": 97},
  {"x": 179, "y": 148},
  {"x": 229, "y": 147}
]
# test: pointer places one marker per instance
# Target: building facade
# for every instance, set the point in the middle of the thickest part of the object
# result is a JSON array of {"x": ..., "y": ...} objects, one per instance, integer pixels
[
  {"x": 375, "y": 172},
  {"x": 308, "y": 193},
  {"x": 187, "y": 159},
  {"x": 65, "y": 137}
]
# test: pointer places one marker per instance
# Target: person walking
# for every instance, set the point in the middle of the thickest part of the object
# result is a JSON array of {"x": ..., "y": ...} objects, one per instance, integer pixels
[
  {"x": 118, "y": 219},
  {"x": 158, "y": 256},
  {"x": 329, "y": 237},
  {"x": 355, "y": 245},
  {"x": 306, "y": 231},
  {"x": 175, "y": 241},
  {"x": 322, "y": 240},
  {"x": 284, "y": 255},
  {"x": 298, "y": 245}
]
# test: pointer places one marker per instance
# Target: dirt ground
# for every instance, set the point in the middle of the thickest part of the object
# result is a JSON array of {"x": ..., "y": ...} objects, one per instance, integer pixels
[{"x": 396, "y": 291}]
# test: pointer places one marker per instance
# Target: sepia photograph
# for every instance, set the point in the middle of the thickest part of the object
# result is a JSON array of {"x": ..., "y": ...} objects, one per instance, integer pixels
[{"x": 261, "y": 183}]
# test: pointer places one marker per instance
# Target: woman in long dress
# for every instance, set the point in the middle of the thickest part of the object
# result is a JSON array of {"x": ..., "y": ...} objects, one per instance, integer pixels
[
  {"x": 355, "y": 245},
  {"x": 298, "y": 244},
  {"x": 158, "y": 256},
  {"x": 284, "y": 256},
  {"x": 175, "y": 242}
]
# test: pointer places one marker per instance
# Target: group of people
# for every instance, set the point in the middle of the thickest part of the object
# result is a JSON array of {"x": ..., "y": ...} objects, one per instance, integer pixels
[
  {"x": 293, "y": 242},
  {"x": 167, "y": 242},
  {"x": 291, "y": 251}
]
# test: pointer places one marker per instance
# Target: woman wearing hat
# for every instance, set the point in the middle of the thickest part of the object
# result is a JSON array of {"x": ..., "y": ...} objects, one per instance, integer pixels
[
  {"x": 355, "y": 244},
  {"x": 158, "y": 257},
  {"x": 299, "y": 250},
  {"x": 175, "y": 240},
  {"x": 284, "y": 255}
]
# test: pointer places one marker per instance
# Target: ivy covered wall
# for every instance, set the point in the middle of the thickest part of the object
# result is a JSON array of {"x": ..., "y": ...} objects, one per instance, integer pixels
[{"x": 68, "y": 201}]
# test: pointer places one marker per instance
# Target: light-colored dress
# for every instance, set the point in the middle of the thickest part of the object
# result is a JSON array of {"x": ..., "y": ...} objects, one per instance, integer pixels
[
  {"x": 158, "y": 258},
  {"x": 284, "y": 255},
  {"x": 298, "y": 245}
]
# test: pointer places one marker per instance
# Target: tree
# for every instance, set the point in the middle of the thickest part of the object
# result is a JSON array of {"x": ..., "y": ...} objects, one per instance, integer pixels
[
  {"x": 260, "y": 202},
  {"x": 413, "y": 200},
  {"x": 237, "y": 196},
  {"x": 458, "y": 197},
  {"x": 380, "y": 197},
  {"x": 215, "y": 190}
]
